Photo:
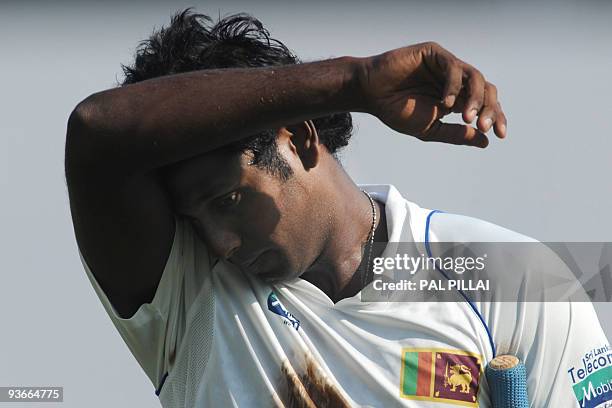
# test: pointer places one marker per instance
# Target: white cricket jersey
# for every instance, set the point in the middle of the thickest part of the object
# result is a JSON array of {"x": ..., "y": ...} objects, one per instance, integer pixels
[{"x": 214, "y": 336}]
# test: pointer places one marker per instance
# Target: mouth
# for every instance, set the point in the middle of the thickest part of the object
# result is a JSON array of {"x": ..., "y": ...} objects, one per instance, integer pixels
[
  {"x": 248, "y": 264},
  {"x": 265, "y": 267}
]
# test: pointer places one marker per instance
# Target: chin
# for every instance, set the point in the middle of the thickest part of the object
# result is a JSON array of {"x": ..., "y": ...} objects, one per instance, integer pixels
[
  {"x": 276, "y": 276},
  {"x": 275, "y": 269},
  {"x": 274, "y": 280}
]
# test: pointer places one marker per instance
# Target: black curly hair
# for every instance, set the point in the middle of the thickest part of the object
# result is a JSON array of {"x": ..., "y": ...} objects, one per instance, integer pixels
[{"x": 193, "y": 41}]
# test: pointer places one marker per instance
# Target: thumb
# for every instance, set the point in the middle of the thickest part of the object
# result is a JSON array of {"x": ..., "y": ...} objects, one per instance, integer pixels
[{"x": 454, "y": 133}]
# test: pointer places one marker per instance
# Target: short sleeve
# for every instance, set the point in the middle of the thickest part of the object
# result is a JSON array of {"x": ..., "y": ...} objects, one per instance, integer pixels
[{"x": 154, "y": 333}]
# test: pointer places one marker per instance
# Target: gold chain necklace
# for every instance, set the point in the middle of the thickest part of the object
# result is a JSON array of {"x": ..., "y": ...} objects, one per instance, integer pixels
[{"x": 364, "y": 276}]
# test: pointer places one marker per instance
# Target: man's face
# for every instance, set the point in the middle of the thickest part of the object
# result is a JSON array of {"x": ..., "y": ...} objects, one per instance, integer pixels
[{"x": 246, "y": 215}]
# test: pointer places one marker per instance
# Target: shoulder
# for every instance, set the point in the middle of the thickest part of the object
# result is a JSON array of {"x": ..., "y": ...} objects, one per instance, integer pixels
[
  {"x": 449, "y": 227},
  {"x": 439, "y": 224}
]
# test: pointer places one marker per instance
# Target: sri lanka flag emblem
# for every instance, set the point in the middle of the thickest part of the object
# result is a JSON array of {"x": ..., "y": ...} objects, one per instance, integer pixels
[{"x": 449, "y": 376}]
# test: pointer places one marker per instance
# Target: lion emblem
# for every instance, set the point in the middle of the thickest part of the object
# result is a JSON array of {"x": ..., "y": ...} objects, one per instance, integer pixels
[{"x": 460, "y": 376}]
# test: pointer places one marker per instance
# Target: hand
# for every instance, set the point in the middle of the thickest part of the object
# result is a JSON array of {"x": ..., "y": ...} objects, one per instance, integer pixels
[{"x": 410, "y": 89}]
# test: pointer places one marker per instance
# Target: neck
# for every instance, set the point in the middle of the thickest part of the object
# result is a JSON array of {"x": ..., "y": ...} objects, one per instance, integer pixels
[{"x": 338, "y": 269}]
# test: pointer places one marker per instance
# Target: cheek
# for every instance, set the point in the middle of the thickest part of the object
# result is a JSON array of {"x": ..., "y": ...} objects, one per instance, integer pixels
[
  {"x": 290, "y": 229},
  {"x": 259, "y": 219},
  {"x": 276, "y": 212},
  {"x": 298, "y": 243},
  {"x": 264, "y": 211}
]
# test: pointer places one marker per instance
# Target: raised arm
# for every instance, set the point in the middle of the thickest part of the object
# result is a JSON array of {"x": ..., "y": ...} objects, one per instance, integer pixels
[
  {"x": 149, "y": 124},
  {"x": 117, "y": 139}
]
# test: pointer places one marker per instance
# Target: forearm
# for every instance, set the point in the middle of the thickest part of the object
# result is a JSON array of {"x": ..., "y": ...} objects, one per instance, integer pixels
[{"x": 153, "y": 123}]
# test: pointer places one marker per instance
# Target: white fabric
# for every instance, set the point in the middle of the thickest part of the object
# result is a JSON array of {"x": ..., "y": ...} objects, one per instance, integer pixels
[
  {"x": 551, "y": 338},
  {"x": 210, "y": 327}
]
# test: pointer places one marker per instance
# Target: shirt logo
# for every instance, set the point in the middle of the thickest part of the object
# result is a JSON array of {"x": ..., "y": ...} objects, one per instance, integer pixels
[
  {"x": 275, "y": 306},
  {"x": 438, "y": 375},
  {"x": 592, "y": 377}
]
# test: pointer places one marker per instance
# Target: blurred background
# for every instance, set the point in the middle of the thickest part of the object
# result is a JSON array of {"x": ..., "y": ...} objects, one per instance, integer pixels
[{"x": 550, "y": 179}]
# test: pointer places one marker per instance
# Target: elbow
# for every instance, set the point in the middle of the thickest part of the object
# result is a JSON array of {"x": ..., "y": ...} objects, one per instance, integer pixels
[
  {"x": 82, "y": 118},
  {"x": 81, "y": 132}
]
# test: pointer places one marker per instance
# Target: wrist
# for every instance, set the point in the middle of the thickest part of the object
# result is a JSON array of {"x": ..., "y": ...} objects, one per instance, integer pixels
[{"x": 354, "y": 82}]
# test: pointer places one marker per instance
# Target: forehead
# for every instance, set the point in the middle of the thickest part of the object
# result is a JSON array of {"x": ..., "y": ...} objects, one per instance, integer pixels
[{"x": 205, "y": 175}]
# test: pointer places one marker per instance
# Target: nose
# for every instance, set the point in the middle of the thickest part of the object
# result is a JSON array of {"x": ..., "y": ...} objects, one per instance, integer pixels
[
  {"x": 224, "y": 243},
  {"x": 222, "y": 240}
]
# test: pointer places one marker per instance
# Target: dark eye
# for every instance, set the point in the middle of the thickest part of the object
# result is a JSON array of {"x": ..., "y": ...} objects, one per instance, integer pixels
[{"x": 229, "y": 200}]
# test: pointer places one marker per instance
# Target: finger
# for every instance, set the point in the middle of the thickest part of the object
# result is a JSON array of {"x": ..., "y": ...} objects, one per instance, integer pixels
[
  {"x": 452, "y": 87},
  {"x": 460, "y": 104},
  {"x": 475, "y": 94},
  {"x": 456, "y": 134},
  {"x": 501, "y": 124},
  {"x": 488, "y": 113}
]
